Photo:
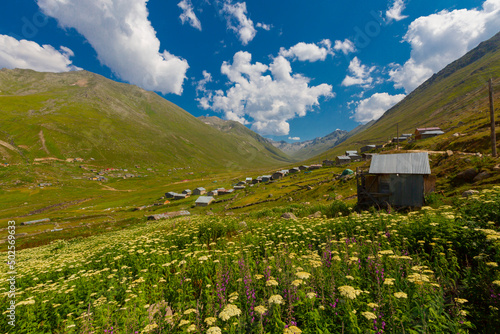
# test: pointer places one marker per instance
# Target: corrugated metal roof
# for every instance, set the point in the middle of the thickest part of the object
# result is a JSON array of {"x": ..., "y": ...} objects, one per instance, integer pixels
[
  {"x": 343, "y": 157},
  {"x": 402, "y": 163},
  {"x": 427, "y": 129},
  {"x": 204, "y": 199},
  {"x": 433, "y": 132}
]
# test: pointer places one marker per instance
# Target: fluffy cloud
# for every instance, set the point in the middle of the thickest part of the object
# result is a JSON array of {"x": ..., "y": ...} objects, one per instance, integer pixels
[
  {"x": 201, "y": 85},
  {"x": 360, "y": 74},
  {"x": 30, "y": 55},
  {"x": 395, "y": 11},
  {"x": 266, "y": 96},
  {"x": 294, "y": 138},
  {"x": 125, "y": 41},
  {"x": 346, "y": 46},
  {"x": 264, "y": 26},
  {"x": 188, "y": 14},
  {"x": 438, "y": 39},
  {"x": 308, "y": 51},
  {"x": 375, "y": 106},
  {"x": 237, "y": 20}
]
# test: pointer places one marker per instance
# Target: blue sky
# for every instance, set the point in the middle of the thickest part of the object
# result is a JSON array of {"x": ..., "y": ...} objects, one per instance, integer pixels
[{"x": 289, "y": 70}]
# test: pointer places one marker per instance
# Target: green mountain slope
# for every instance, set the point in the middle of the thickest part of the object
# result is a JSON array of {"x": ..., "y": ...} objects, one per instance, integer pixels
[
  {"x": 82, "y": 114},
  {"x": 455, "y": 99},
  {"x": 244, "y": 136}
]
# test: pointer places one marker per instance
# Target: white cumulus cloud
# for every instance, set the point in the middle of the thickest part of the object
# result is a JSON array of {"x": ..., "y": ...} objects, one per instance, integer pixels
[
  {"x": 394, "y": 12},
  {"x": 265, "y": 96},
  {"x": 237, "y": 20},
  {"x": 125, "y": 41},
  {"x": 30, "y": 55},
  {"x": 294, "y": 138},
  {"x": 375, "y": 106},
  {"x": 346, "y": 46},
  {"x": 188, "y": 14},
  {"x": 264, "y": 26},
  {"x": 308, "y": 51},
  {"x": 201, "y": 85},
  {"x": 438, "y": 39},
  {"x": 359, "y": 74}
]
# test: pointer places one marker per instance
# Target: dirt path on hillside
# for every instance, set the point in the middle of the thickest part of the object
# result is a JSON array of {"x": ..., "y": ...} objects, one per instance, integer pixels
[
  {"x": 183, "y": 181},
  {"x": 55, "y": 207},
  {"x": 42, "y": 139},
  {"x": 113, "y": 189},
  {"x": 438, "y": 152},
  {"x": 7, "y": 145},
  {"x": 47, "y": 159},
  {"x": 421, "y": 151}
]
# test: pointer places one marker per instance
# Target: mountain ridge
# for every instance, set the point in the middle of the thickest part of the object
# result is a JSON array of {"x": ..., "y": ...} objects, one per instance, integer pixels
[
  {"x": 83, "y": 114},
  {"x": 455, "y": 98},
  {"x": 306, "y": 149}
]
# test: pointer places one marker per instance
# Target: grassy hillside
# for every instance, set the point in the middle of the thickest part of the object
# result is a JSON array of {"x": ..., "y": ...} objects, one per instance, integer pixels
[
  {"x": 81, "y": 114},
  {"x": 455, "y": 99},
  {"x": 244, "y": 135}
]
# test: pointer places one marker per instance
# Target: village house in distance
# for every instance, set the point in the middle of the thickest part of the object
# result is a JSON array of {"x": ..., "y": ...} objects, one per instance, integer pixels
[
  {"x": 204, "y": 200},
  {"x": 423, "y": 133}
]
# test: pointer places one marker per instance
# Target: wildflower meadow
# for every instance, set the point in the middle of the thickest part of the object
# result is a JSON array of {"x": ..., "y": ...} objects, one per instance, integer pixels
[{"x": 428, "y": 271}]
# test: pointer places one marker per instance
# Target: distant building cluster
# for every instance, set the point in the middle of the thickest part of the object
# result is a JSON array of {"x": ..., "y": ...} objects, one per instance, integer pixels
[
  {"x": 208, "y": 197},
  {"x": 352, "y": 155}
]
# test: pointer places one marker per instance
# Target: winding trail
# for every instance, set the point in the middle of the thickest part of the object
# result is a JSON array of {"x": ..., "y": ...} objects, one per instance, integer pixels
[
  {"x": 7, "y": 145},
  {"x": 42, "y": 139}
]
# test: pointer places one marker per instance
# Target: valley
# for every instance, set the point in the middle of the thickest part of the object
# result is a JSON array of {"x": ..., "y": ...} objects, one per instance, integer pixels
[{"x": 97, "y": 182}]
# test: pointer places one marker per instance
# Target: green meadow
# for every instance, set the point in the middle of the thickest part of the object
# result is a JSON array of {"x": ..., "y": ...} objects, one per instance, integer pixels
[{"x": 428, "y": 271}]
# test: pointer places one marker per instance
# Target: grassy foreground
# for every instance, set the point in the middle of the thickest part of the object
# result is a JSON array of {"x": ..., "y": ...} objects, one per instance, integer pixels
[{"x": 433, "y": 271}]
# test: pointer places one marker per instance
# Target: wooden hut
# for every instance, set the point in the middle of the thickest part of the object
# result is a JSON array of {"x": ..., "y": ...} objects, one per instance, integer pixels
[
  {"x": 204, "y": 201},
  {"x": 199, "y": 191},
  {"x": 342, "y": 160},
  {"x": 422, "y": 133},
  {"x": 398, "y": 180}
]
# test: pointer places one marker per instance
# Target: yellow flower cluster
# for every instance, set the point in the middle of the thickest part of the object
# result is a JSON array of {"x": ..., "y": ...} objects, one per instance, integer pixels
[
  {"x": 271, "y": 282},
  {"x": 349, "y": 292},
  {"x": 210, "y": 321},
  {"x": 149, "y": 328},
  {"x": 303, "y": 275},
  {"x": 292, "y": 330},
  {"x": 418, "y": 278},
  {"x": 229, "y": 311},
  {"x": 276, "y": 299},
  {"x": 400, "y": 295},
  {"x": 233, "y": 297},
  {"x": 214, "y": 330},
  {"x": 260, "y": 309},
  {"x": 311, "y": 295},
  {"x": 389, "y": 281},
  {"x": 369, "y": 315}
]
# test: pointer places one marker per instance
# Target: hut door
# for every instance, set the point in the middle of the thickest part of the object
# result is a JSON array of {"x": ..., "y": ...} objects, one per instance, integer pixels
[{"x": 407, "y": 190}]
